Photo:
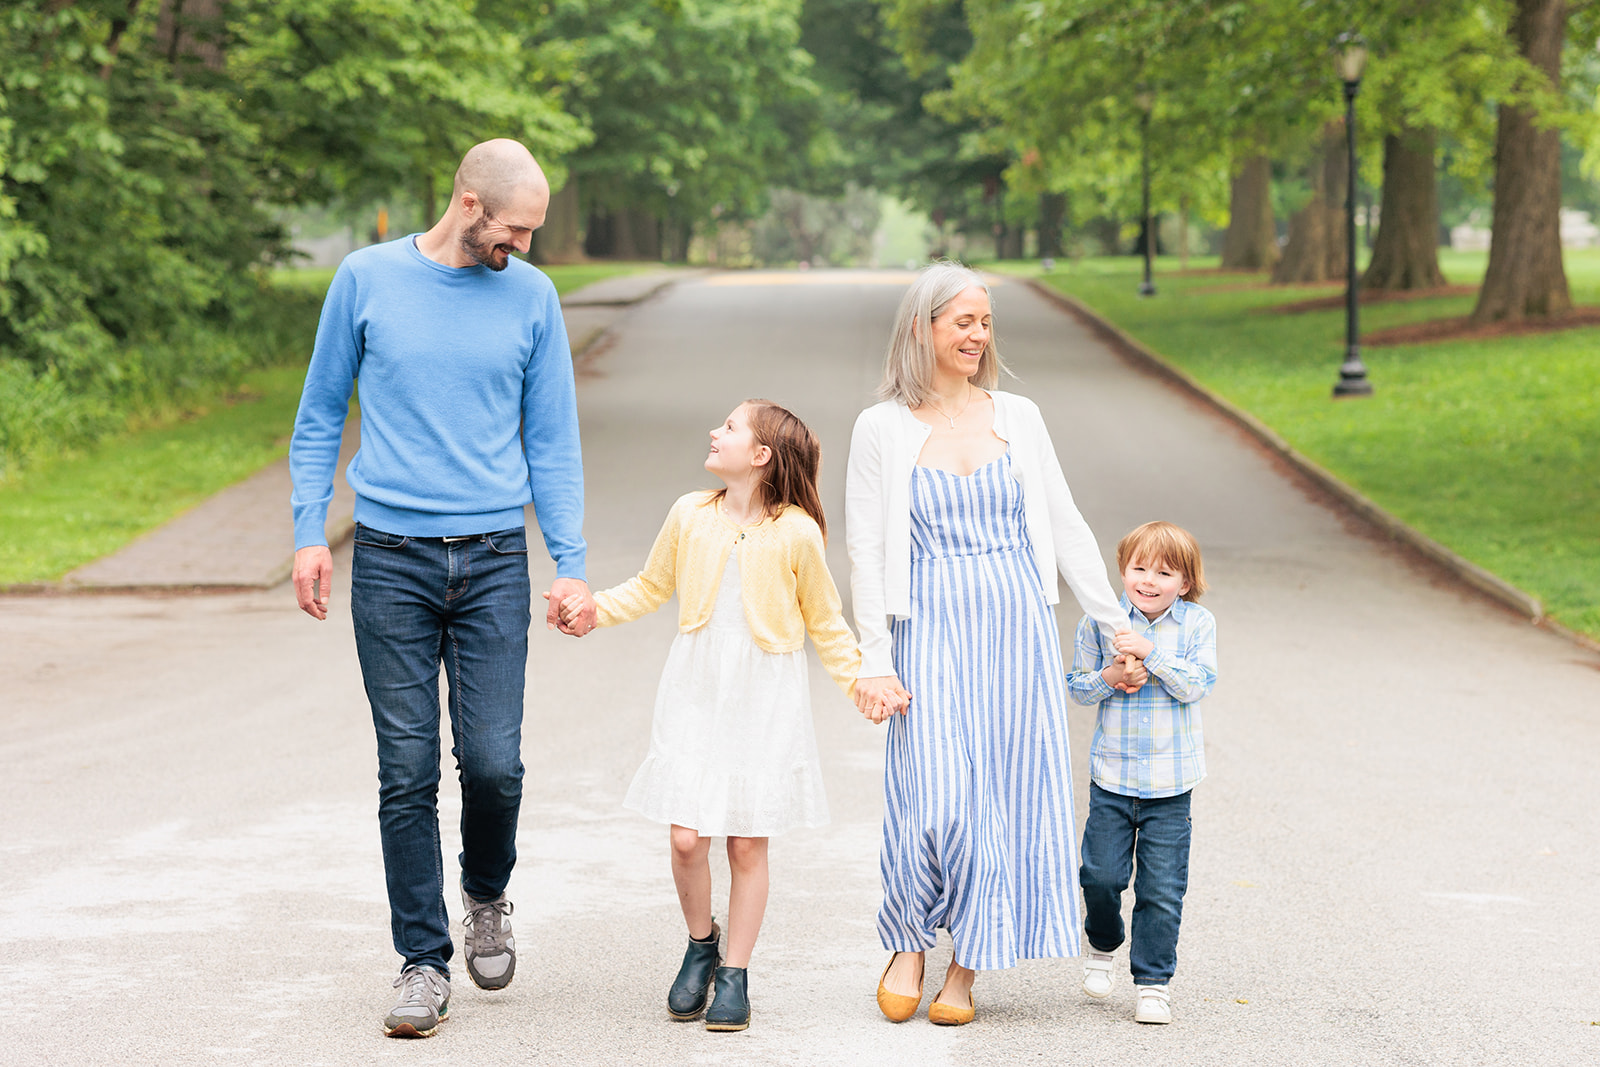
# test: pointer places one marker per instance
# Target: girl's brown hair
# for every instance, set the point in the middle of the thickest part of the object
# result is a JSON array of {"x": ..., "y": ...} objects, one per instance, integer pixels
[
  {"x": 790, "y": 476},
  {"x": 1164, "y": 543}
]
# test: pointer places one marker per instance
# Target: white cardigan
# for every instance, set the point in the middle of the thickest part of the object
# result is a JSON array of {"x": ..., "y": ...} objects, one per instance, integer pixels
[{"x": 883, "y": 454}]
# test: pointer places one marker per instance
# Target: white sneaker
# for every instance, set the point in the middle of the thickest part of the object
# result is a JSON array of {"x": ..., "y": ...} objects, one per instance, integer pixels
[
  {"x": 1153, "y": 1006},
  {"x": 1097, "y": 974}
]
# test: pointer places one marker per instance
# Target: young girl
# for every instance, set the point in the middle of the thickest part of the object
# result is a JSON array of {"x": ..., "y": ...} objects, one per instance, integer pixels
[{"x": 732, "y": 752}]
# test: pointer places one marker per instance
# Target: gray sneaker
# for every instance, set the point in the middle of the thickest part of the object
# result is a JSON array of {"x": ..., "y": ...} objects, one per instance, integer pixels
[
  {"x": 424, "y": 1003},
  {"x": 490, "y": 949}
]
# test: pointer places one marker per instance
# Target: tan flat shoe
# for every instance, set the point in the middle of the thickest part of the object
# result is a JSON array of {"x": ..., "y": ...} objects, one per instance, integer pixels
[
  {"x": 897, "y": 1007},
  {"x": 942, "y": 1014}
]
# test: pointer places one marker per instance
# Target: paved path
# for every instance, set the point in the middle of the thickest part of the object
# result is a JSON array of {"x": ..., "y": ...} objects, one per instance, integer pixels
[{"x": 1396, "y": 852}]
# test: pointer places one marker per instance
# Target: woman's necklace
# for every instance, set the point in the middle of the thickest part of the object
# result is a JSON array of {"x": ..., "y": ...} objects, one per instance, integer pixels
[{"x": 952, "y": 418}]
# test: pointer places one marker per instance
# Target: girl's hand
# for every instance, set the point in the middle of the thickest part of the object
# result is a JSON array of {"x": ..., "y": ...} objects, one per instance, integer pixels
[
  {"x": 571, "y": 607},
  {"x": 879, "y": 697},
  {"x": 1132, "y": 644}
]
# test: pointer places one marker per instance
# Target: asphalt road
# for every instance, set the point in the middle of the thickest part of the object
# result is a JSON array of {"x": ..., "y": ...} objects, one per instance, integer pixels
[{"x": 1395, "y": 856}]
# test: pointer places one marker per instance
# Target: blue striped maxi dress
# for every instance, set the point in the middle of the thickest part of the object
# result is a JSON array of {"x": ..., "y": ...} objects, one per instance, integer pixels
[{"x": 978, "y": 820}]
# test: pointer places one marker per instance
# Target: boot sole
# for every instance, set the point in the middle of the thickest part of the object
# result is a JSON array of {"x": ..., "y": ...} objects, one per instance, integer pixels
[{"x": 728, "y": 1028}]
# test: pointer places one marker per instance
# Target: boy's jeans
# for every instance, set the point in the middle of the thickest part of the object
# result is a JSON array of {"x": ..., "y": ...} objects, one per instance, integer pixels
[
  {"x": 1155, "y": 831},
  {"x": 417, "y": 602}
]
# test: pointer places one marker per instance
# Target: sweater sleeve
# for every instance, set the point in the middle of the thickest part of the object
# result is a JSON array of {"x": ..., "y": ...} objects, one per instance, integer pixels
[
  {"x": 551, "y": 443},
  {"x": 650, "y": 588},
  {"x": 1077, "y": 554},
  {"x": 864, "y": 537},
  {"x": 822, "y": 610},
  {"x": 1086, "y": 685},
  {"x": 324, "y": 406}
]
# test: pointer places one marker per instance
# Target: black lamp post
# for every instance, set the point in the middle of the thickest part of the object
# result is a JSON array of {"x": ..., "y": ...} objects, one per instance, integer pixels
[
  {"x": 1350, "y": 60},
  {"x": 1146, "y": 101}
]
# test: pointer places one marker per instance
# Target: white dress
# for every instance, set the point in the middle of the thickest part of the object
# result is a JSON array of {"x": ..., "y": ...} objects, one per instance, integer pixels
[{"x": 732, "y": 749}]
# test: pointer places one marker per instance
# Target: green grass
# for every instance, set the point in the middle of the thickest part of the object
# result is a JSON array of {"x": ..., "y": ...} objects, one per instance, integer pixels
[
  {"x": 64, "y": 512},
  {"x": 1489, "y": 447},
  {"x": 68, "y": 511}
]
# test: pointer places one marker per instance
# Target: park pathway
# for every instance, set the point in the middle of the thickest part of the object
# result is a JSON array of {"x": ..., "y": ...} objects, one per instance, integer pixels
[{"x": 1396, "y": 851}]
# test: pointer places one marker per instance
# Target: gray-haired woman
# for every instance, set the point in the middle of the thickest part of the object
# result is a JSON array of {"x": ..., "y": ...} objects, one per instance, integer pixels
[{"x": 957, "y": 513}]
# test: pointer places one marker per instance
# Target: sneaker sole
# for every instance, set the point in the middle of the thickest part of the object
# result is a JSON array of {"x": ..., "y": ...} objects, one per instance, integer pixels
[
  {"x": 1098, "y": 996},
  {"x": 409, "y": 1030},
  {"x": 492, "y": 984}
]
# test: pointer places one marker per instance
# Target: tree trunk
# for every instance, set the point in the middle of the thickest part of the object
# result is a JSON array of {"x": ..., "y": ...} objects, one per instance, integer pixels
[
  {"x": 191, "y": 30},
  {"x": 1251, "y": 242},
  {"x": 1526, "y": 277},
  {"x": 557, "y": 241},
  {"x": 1183, "y": 232},
  {"x": 1315, "y": 251},
  {"x": 1406, "y": 253},
  {"x": 1052, "y": 211},
  {"x": 1012, "y": 240},
  {"x": 119, "y": 26}
]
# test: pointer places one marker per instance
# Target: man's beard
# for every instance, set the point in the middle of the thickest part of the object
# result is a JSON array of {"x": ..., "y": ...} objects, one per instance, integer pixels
[{"x": 481, "y": 252}]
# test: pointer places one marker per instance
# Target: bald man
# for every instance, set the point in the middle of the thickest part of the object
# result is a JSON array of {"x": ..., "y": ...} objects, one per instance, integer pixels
[{"x": 468, "y": 413}]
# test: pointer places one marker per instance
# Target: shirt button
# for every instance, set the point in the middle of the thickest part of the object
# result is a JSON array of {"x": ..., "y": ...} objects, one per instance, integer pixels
[{"x": 1147, "y": 718}]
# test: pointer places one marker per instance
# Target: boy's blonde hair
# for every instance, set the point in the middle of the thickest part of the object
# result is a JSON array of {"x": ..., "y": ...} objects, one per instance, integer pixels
[{"x": 1162, "y": 542}]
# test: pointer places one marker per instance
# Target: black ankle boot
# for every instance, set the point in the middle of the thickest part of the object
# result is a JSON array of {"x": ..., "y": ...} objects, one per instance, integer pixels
[
  {"x": 730, "y": 1009},
  {"x": 687, "y": 999}
]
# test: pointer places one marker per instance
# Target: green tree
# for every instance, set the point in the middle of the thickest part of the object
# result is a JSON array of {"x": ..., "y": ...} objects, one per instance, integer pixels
[{"x": 696, "y": 108}]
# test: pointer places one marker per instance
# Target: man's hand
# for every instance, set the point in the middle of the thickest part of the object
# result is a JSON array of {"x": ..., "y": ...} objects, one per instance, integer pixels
[
  {"x": 313, "y": 573},
  {"x": 578, "y": 623}
]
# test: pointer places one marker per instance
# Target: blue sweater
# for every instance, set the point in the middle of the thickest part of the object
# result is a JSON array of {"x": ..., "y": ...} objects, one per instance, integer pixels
[{"x": 468, "y": 408}]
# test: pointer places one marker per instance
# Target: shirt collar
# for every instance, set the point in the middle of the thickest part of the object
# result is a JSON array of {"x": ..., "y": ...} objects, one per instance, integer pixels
[{"x": 1174, "y": 612}]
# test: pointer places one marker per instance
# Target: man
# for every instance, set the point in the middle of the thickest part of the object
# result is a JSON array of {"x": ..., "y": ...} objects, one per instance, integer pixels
[{"x": 468, "y": 412}]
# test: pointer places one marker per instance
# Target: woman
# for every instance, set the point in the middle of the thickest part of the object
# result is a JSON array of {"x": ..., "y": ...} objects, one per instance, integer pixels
[{"x": 958, "y": 516}]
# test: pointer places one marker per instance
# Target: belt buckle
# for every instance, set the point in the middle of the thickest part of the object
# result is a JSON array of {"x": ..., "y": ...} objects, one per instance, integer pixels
[{"x": 460, "y": 537}]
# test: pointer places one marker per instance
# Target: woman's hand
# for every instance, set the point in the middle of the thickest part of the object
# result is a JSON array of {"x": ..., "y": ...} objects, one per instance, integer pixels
[{"x": 881, "y": 696}]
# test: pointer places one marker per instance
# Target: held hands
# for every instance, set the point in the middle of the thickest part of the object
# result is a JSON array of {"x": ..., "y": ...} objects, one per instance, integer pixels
[
  {"x": 1132, "y": 644},
  {"x": 571, "y": 609},
  {"x": 1127, "y": 672},
  {"x": 880, "y": 697}
]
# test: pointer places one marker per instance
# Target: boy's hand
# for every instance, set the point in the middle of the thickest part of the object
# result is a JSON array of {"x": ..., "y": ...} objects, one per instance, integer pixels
[
  {"x": 1133, "y": 674},
  {"x": 1131, "y": 644}
]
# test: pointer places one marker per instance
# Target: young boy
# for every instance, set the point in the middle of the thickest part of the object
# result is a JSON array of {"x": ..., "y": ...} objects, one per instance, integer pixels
[{"x": 1146, "y": 756}]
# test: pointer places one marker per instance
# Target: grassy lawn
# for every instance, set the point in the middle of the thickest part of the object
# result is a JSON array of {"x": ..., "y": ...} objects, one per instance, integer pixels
[
  {"x": 69, "y": 511},
  {"x": 64, "y": 512},
  {"x": 1489, "y": 447}
]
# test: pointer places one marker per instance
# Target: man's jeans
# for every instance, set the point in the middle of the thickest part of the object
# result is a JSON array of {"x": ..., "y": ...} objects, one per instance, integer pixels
[
  {"x": 1120, "y": 828},
  {"x": 417, "y": 602}
]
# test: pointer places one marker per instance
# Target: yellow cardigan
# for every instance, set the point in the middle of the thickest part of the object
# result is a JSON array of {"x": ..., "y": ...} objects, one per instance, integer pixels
[{"x": 784, "y": 580}]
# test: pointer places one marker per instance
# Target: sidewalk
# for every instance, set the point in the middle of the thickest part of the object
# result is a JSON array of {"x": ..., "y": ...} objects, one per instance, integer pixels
[{"x": 243, "y": 538}]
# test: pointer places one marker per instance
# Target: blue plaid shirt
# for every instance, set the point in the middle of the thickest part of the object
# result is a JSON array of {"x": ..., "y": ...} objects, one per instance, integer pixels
[{"x": 1148, "y": 744}]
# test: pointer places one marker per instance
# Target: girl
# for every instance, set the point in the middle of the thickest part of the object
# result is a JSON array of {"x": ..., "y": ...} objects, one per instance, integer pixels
[{"x": 732, "y": 752}]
